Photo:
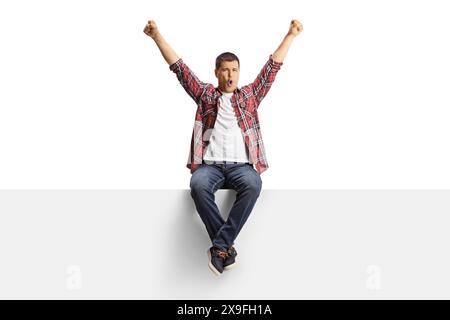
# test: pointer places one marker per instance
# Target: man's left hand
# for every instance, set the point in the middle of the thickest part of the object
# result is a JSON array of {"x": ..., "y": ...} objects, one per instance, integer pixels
[{"x": 295, "y": 28}]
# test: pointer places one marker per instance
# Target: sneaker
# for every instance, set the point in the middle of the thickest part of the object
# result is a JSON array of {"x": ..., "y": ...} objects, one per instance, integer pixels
[
  {"x": 216, "y": 259},
  {"x": 230, "y": 261}
]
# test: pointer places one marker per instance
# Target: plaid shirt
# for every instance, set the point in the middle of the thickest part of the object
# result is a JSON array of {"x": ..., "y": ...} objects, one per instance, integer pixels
[{"x": 245, "y": 102}]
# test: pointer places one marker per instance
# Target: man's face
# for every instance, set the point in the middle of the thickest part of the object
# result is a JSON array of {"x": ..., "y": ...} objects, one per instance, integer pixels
[{"x": 228, "y": 75}]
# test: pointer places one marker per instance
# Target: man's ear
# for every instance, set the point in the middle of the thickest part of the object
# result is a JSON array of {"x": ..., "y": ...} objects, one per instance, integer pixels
[{"x": 215, "y": 72}]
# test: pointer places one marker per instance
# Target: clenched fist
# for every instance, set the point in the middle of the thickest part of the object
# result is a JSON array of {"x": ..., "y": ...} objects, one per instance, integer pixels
[
  {"x": 151, "y": 29},
  {"x": 295, "y": 28}
]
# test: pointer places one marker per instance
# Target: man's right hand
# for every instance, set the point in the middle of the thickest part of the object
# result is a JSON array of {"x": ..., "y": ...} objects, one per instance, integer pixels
[{"x": 151, "y": 29}]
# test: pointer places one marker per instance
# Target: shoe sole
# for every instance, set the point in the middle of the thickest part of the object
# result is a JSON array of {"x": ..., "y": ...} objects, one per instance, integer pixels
[
  {"x": 211, "y": 266},
  {"x": 229, "y": 267}
]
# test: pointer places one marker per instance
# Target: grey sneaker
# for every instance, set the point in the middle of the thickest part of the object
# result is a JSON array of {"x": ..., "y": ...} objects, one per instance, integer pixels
[
  {"x": 216, "y": 259},
  {"x": 230, "y": 261}
]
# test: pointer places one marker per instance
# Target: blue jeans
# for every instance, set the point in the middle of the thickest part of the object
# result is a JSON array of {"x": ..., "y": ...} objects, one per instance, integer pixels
[{"x": 206, "y": 180}]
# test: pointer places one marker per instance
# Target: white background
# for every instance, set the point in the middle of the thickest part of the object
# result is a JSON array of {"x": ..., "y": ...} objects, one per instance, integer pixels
[{"x": 87, "y": 101}]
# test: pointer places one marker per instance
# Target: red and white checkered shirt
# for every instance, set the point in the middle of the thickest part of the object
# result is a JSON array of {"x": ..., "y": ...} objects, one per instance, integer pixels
[{"x": 245, "y": 102}]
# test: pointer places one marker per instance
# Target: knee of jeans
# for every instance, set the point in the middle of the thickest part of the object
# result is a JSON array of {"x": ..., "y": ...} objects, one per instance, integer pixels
[
  {"x": 198, "y": 185},
  {"x": 255, "y": 185}
]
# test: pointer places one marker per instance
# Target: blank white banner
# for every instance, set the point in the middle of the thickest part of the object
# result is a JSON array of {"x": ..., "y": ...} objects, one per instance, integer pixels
[{"x": 136, "y": 244}]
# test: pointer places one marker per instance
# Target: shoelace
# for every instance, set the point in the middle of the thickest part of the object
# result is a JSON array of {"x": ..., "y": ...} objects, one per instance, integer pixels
[{"x": 222, "y": 254}]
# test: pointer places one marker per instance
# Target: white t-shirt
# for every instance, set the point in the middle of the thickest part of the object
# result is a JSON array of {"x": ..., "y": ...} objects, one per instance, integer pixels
[{"x": 226, "y": 142}]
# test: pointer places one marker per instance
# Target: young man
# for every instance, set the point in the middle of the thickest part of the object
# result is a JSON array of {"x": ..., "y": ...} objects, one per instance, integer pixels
[{"x": 226, "y": 140}]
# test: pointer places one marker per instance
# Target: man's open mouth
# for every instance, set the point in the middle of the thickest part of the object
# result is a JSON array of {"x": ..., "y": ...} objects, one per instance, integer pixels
[{"x": 229, "y": 83}]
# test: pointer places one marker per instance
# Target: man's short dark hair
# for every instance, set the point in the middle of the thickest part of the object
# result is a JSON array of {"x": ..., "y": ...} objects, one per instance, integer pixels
[{"x": 226, "y": 56}]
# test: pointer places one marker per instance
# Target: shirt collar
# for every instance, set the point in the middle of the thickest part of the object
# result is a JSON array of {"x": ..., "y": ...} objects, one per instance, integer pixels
[{"x": 237, "y": 90}]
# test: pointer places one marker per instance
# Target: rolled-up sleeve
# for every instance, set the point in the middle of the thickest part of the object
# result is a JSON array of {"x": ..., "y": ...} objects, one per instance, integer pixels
[
  {"x": 191, "y": 84},
  {"x": 265, "y": 78}
]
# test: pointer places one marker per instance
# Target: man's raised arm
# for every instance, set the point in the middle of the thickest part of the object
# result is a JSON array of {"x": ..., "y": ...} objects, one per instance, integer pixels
[
  {"x": 168, "y": 53},
  {"x": 294, "y": 30},
  {"x": 191, "y": 84},
  {"x": 266, "y": 76}
]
